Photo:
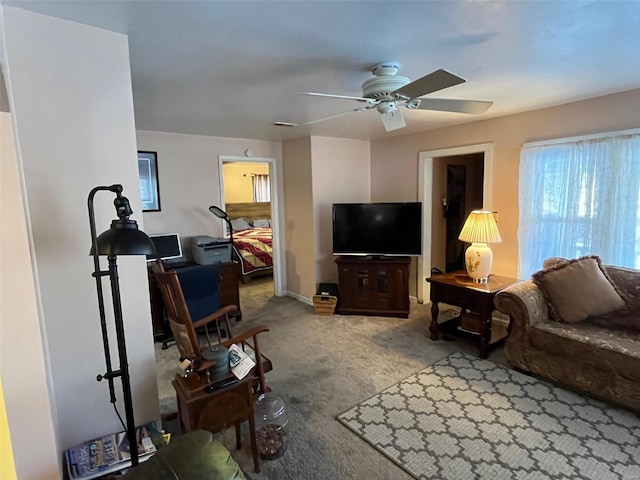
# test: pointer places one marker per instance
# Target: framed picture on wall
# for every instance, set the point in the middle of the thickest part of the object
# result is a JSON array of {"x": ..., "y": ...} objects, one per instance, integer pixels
[{"x": 148, "y": 170}]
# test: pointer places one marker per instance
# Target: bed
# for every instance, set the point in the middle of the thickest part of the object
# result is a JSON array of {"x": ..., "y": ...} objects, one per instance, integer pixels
[{"x": 252, "y": 238}]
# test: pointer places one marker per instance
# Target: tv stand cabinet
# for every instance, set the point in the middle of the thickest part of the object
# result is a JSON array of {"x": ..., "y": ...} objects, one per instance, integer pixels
[{"x": 373, "y": 286}]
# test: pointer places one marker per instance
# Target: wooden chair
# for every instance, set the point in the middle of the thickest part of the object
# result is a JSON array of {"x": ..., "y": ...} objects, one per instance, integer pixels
[
  {"x": 188, "y": 341},
  {"x": 182, "y": 325}
]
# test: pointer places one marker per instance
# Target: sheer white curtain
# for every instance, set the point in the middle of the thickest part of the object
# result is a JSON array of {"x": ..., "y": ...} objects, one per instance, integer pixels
[
  {"x": 580, "y": 198},
  {"x": 261, "y": 191}
]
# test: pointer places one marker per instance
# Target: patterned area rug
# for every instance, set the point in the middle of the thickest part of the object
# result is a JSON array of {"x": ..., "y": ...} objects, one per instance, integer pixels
[{"x": 466, "y": 418}]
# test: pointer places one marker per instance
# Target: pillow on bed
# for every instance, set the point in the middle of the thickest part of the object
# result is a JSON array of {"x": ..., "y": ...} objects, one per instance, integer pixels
[
  {"x": 578, "y": 289},
  {"x": 240, "y": 224},
  {"x": 261, "y": 223}
]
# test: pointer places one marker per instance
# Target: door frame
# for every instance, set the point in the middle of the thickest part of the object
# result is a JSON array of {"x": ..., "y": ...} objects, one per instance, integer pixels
[
  {"x": 278, "y": 267},
  {"x": 425, "y": 188}
]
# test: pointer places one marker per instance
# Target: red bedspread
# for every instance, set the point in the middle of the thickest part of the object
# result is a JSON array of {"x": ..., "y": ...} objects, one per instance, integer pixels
[{"x": 254, "y": 247}]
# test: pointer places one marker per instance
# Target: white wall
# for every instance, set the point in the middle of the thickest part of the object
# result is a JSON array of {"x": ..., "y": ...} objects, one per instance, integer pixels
[
  {"x": 341, "y": 174},
  {"x": 70, "y": 93},
  {"x": 22, "y": 352},
  {"x": 189, "y": 179}
]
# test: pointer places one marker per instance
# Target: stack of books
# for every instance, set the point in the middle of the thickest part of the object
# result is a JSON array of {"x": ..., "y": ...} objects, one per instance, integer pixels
[{"x": 110, "y": 453}]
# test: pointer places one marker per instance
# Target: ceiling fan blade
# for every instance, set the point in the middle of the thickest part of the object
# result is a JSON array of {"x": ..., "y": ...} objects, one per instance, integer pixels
[
  {"x": 361, "y": 109},
  {"x": 449, "y": 105},
  {"x": 438, "y": 80},
  {"x": 393, "y": 121},
  {"x": 343, "y": 97}
]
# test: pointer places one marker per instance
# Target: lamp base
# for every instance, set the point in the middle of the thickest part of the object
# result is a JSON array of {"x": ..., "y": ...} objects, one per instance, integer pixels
[{"x": 478, "y": 260}]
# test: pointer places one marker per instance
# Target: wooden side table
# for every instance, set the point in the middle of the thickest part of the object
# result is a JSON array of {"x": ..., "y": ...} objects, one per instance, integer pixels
[
  {"x": 475, "y": 299},
  {"x": 214, "y": 411}
]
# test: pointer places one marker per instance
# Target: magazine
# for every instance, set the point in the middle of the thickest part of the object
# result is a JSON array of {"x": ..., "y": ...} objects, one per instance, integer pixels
[
  {"x": 240, "y": 362},
  {"x": 109, "y": 453}
]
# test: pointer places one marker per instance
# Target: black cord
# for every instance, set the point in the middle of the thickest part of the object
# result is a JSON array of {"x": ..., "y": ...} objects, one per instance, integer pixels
[{"x": 119, "y": 417}]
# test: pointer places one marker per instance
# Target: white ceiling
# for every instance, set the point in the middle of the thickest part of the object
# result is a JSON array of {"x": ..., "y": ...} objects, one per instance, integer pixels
[{"x": 232, "y": 68}]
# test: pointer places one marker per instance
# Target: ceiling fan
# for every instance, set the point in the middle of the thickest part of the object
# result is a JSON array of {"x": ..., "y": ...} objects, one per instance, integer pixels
[{"x": 387, "y": 92}]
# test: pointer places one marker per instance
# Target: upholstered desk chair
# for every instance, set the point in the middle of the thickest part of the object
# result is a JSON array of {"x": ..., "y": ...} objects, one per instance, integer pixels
[{"x": 202, "y": 309}]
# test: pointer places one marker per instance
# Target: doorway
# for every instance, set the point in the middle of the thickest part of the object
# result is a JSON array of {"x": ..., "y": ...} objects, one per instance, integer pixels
[
  {"x": 243, "y": 192},
  {"x": 464, "y": 177},
  {"x": 432, "y": 189}
]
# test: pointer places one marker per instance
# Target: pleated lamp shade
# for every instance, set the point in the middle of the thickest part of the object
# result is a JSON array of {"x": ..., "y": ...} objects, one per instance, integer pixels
[{"x": 479, "y": 229}]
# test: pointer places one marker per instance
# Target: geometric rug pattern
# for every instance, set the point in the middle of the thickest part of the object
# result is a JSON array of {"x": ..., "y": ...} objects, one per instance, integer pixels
[{"x": 466, "y": 418}]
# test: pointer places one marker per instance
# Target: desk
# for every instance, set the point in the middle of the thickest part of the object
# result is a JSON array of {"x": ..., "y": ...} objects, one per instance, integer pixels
[
  {"x": 214, "y": 411},
  {"x": 457, "y": 289}
]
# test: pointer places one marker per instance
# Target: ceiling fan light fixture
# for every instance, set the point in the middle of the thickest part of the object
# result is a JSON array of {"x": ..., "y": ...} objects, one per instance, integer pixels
[
  {"x": 387, "y": 107},
  {"x": 393, "y": 120}
]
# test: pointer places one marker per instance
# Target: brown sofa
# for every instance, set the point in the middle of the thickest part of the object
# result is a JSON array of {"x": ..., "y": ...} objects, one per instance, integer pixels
[{"x": 599, "y": 356}]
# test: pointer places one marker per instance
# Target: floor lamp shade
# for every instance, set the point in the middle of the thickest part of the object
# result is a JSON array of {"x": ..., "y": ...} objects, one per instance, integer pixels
[
  {"x": 122, "y": 238},
  {"x": 479, "y": 229}
]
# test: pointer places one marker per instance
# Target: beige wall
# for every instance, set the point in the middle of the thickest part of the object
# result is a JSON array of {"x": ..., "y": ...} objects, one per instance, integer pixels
[
  {"x": 341, "y": 172},
  {"x": 21, "y": 332},
  {"x": 394, "y": 161},
  {"x": 189, "y": 180},
  {"x": 238, "y": 184},
  {"x": 299, "y": 223},
  {"x": 69, "y": 87}
]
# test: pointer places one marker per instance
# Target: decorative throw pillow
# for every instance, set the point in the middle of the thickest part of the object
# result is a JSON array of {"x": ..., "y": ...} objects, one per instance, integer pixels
[
  {"x": 552, "y": 262},
  {"x": 261, "y": 223},
  {"x": 578, "y": 289},
  {"x": 240, "y": 224}
]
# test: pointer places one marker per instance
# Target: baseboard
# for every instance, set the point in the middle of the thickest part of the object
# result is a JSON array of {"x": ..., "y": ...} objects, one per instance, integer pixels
[{"x": 300, "y": 298}]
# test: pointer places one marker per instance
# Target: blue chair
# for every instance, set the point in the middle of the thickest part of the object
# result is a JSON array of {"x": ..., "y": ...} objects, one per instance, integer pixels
[{"x": 192, "y": 302}]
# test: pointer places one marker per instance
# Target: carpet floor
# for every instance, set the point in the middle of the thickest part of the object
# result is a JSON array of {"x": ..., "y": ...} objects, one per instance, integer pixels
[
  {"x": 467, "y": 418},
  {"x": 323, "y": 366}
]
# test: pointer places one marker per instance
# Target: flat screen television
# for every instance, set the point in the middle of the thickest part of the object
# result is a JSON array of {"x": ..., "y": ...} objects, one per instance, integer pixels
[
  {"x": 377, "y": 229},
  {"x": 167, "y": 245}
]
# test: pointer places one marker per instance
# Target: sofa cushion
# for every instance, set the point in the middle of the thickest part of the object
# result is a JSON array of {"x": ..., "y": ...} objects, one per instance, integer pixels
[
  {"x": 192, "y": 456},
  {"x": 590, "y": 344},
  {"x": 578, "y": 289}
]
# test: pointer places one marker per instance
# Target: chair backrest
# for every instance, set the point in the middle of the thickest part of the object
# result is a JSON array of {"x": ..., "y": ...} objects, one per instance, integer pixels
[
  {"x": 157, "y": 266},
  {"x": 179, "y": 318},
  {"x": 200, "y": 287}
]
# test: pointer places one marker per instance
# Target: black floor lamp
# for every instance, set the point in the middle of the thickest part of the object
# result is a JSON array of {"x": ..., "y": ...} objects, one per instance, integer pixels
[{"x": 123, "y": 238}]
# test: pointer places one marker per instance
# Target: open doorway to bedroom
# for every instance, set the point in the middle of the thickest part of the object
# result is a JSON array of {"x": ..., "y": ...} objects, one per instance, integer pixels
[{"x": 249, "y": 196}]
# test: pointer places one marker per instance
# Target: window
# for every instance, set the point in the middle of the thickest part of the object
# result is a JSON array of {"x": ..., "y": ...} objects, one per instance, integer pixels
[
  {"x": 261, "y": 191},
  {"x": 580, "y": 197}
]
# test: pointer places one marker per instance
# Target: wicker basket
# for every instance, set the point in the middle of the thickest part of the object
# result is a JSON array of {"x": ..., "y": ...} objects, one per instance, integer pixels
[{"x": 324, "y": 304}]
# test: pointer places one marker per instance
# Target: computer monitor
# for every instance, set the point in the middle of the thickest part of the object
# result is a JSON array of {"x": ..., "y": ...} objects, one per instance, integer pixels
[{"x": 167, "y": 245}]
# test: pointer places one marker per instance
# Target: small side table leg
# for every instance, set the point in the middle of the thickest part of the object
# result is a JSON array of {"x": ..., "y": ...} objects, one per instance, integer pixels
[
  {"x": 433, "y": 328},
  {"x": 485, "y": 338}
]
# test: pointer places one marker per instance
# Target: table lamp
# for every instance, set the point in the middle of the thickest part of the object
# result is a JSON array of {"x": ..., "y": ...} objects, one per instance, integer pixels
[
  {"x": 479, "y": 230},
  {"x": 122, "y": 238}
]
